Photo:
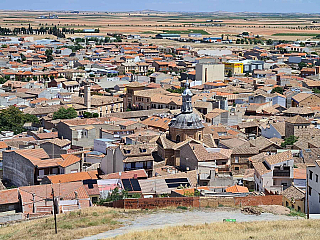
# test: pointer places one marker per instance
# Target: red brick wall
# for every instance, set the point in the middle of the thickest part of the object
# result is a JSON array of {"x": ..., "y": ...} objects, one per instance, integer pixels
[
  {"x": 259, "y": 200},
  {"x": 150, "y": 203}
]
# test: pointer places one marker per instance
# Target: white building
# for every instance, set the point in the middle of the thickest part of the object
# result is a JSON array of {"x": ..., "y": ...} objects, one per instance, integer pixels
[
  {"x": 275, "y": 173},
  {"x": 101, "y": 145},
  {"x": 313, "y": 190}
]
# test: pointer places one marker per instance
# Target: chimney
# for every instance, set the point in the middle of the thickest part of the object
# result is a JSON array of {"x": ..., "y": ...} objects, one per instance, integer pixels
[{"x": 87, "y": 96}]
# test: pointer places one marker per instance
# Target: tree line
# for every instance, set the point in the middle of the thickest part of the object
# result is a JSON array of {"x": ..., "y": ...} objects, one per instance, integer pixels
[{"x": 56, "y": 31}]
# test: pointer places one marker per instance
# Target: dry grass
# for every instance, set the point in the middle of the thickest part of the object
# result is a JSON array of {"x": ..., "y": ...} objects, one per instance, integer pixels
[
  {"x": 297, "y": 229},
  {"x": 71, "y": 225}
]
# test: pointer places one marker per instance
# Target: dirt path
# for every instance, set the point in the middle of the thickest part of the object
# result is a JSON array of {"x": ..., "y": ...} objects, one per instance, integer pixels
[{"x": 162, "y": 219}]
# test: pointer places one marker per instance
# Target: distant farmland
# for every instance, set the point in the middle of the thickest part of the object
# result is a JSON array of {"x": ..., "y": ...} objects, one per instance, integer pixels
[{"x": 297, "y": 34}]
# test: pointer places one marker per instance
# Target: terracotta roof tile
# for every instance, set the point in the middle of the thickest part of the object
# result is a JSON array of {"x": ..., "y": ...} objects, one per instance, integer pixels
[
  {"x": 237, "y": 189},
  {"x": 9, "y": 196},
  {"x": 71, "y": 177},
  {"x": 69, "y": 159}
]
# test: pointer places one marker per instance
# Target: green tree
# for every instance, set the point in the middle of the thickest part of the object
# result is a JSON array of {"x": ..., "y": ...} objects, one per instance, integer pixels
[
  {"x": 302, "y": 65},
  {"x": 289, "y": 141},
  {"x": 115, "y": 195},
  {"x": 178, "y": 90},
  {"x": 277, "y": 90},
  {"x": 95, "y": 115},
  {"x": 63, "y": 113},
  {"x": 269, "y": 42},
  {"x": 87, "y": 115},
  {"x": 12, "y": 119},
  {"x": 229, "y": 73},
  {"x": 315, "y": 90},
  {"x": 2, "y": 80},
  {"x": 48, "y": 54}
]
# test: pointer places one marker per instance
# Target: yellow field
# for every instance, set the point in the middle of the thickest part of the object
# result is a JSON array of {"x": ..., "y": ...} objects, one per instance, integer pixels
[{"x": 277, "y": 230}]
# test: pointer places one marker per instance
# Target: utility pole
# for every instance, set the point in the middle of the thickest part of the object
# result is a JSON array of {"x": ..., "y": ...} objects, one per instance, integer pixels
[
  {"x": 307, "y": 195},
  {"x": 54, "y": 213}
]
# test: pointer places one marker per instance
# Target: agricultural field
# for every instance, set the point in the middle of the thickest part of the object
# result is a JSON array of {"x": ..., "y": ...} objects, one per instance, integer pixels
[{"x": 275, "y": 26}]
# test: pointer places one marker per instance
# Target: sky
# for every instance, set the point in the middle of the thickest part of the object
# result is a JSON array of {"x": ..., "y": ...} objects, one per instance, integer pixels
[{"x": 267, "y": 6}]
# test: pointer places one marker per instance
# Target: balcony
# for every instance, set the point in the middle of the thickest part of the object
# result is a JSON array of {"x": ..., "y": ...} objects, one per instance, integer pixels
[{"x": 281, "y": 173}]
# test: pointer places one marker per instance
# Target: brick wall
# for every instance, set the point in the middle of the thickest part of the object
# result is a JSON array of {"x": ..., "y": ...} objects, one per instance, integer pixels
[
  {"x": 258, "y": 200},
  {"x": 151, "y": 203}
]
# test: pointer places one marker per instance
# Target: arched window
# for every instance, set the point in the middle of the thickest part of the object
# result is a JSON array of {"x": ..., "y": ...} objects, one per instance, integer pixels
[
  {"x": 199, "y": 136},
  {"x": 178, "y": 138}
]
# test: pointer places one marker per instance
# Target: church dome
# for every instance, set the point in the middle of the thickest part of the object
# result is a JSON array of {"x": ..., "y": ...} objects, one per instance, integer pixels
[{"x": 186, "y": 121}]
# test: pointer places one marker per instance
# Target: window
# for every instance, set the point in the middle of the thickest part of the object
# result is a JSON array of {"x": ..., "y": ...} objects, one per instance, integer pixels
[
  {"x": 319, "y": 197},
  {"x": 299, "y": 209},
  {"x": 317, "y": 177},
  {"x": 236, "y": 159},
  {"x": 41, "y": 172},
  {"x": 236, "y": 168},
  {"x": 310, "y": 175},
  {"x": 309, "y": 191}
]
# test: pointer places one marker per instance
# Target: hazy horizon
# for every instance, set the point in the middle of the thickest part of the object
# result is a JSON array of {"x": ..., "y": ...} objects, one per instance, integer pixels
[{"x": 255, "y": 6}]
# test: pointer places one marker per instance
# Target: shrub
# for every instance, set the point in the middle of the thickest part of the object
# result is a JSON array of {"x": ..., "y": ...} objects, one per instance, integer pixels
[{"x": 182, "y": 207}]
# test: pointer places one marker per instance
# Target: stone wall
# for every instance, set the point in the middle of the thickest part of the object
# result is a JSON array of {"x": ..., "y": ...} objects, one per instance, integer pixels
[
  {"x": 214, "y": 202},
  {"x": 17, "y": 169},
  {"x": 5, "y": 218}
]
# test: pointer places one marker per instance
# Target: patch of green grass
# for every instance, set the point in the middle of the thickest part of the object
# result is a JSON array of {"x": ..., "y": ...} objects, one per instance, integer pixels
[
  {"x": 148, "y": 32},
  {"x": 295, "y": 213},
  {"x": 220, "y": 205}
]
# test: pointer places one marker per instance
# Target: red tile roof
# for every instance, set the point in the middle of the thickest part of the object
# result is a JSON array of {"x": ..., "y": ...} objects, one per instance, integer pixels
[
  {"x": 72, "y": 177},
  {"x": 9, "y": 196},
  {"x": 69, "y": 159},
  {"x": 237, "y": 189}
]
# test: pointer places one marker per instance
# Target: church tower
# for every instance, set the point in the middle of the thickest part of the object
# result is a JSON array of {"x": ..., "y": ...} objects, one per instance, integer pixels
[{"x": 187, "y": 124}]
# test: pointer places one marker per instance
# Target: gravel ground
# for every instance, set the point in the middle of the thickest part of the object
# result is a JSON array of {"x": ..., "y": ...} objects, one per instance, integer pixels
[
  {"x": 275, "y": 209},
  {"x": 162, "y": 219}
]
